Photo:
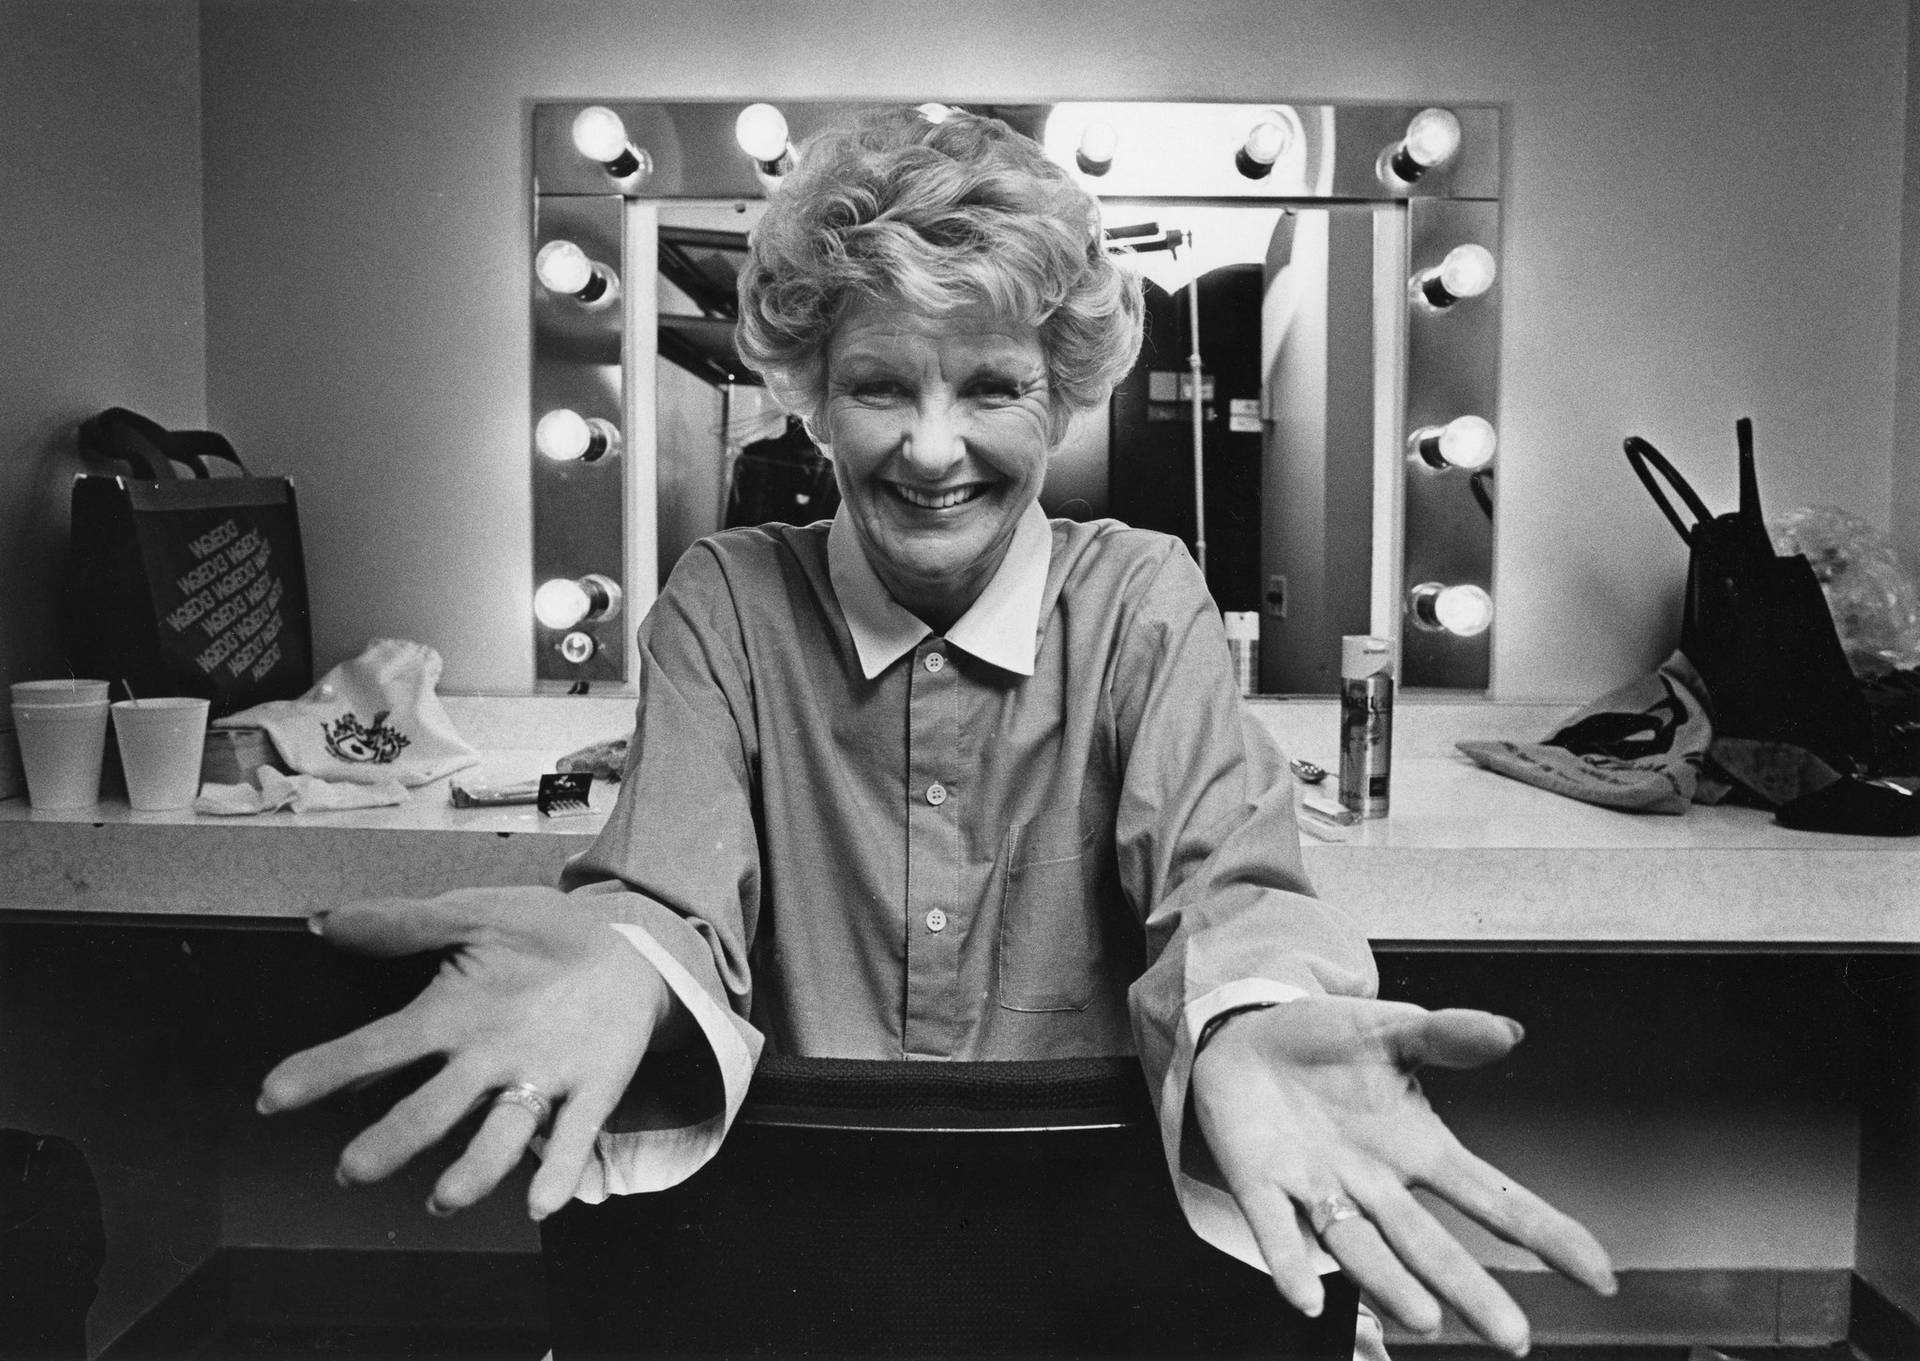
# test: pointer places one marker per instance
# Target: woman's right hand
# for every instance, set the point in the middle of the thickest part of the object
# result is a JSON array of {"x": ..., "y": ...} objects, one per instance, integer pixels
[{"x": 531, "y": 989}]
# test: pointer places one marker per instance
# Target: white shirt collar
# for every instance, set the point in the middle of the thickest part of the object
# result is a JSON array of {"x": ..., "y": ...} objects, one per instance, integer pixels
[{"x": 999, "y": 627}]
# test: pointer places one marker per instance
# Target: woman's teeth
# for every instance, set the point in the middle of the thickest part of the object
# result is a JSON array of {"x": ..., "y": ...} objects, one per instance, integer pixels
[{"x": 936, "y": 500}]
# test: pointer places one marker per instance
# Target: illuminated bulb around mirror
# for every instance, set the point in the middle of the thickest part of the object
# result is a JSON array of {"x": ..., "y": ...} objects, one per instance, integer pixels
[
  {"x": 1098, "y": 142},
  {"x": 1467, "y": 272},
  {"x": 1432, "y": 138},
  {"x": 577, "y": 647},
  {"x": 935, "y": 113},
  {"x": 599, "y": 135},
  {"x": 1463, "y": 611},
  {"x": 1267, "y": 141},
  {"x": 564, "y": 268},
  {"x": 1466, "y": 442},
  {"x": 761, "y": 131},
  {"x": 564, "y": 435},
  {"x": 563, "y": 602}
]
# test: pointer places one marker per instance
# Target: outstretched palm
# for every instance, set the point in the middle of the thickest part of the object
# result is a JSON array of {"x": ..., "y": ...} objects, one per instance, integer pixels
[{"x": 1317, "y": 1100}]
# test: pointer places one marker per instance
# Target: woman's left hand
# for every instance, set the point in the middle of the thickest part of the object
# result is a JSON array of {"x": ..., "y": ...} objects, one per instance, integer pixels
[{"x": 1312, "y": 1106}]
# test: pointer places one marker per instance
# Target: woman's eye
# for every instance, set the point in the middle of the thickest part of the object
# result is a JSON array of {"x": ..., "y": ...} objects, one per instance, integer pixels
[
  {"x": 997, "y": 390},
  {"x": 876, "y": 389}
]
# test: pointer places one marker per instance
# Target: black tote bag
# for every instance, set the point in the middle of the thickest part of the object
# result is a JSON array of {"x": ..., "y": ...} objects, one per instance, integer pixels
[
  {"x": 1756, "y": 624},
  {"x": 185, "y": 585}
]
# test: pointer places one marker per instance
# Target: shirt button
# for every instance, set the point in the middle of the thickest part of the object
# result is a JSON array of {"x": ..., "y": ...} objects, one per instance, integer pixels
[
  {"x": 936, "y": 794},
  {"x": 936, "y": 920},
  {"x": 936, "y": 660}
]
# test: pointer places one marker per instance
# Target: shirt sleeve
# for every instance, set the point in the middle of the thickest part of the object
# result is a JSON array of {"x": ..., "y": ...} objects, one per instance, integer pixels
[
  {"x": 1209, "y": 854},
  {"x": 676, "y": 870}
]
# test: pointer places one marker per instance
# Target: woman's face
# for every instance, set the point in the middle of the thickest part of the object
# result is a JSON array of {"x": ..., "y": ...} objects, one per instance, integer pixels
[{"x": 939, "y": 428}]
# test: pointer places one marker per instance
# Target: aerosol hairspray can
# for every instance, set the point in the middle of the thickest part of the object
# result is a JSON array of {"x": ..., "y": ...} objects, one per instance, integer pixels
[
  {"x": 1243, "y": 643},
  {"x": 1366, "y": 723}
]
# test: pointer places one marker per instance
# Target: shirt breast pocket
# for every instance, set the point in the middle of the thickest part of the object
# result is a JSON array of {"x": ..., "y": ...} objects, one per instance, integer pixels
[{"x": 1050, "y": 953}]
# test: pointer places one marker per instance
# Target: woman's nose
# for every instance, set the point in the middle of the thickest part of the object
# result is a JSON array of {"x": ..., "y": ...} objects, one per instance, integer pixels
[{"x": 933, "y": 443}]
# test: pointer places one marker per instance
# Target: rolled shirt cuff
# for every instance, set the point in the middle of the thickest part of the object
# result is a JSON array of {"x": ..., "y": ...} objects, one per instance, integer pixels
[{"x": 630, "y": 1161}]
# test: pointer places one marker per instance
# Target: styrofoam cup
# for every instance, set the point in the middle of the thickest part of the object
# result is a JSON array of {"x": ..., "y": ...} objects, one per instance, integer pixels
[
  {"x": 62, "y": 742},
  {"x": 63, "y": 691},
  {"x": 160, "y": 745}
]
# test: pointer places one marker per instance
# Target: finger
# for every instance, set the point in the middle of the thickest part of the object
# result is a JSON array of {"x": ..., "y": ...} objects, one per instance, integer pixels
[
  {"x": 563, "y": 1162},
  {"x": 1455, "y": 1038},
  {"x": 1269, "y": 1211},
  {"x": 1419, "y": 1241},
  {"x": 375, "y": 1050},
  {"x": 1359, "y": 1248},
  {"x": 416, "y": 1122},
  {"x": 495, "y": 1150},
  {"x": 407, "y": 926},
  {"x": 1522, "y": 1218}
]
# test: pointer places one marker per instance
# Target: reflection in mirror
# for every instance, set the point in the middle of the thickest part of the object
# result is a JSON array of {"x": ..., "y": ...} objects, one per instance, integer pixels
[{"x": 1313, "y": 411}]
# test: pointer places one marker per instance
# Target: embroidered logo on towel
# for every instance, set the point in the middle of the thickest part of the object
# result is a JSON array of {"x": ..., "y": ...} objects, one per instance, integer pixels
[{"x": 375, "y": 742}]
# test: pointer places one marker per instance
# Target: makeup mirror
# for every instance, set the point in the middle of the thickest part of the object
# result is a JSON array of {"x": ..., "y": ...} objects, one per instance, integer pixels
[{"x": 1315, "y": 411}]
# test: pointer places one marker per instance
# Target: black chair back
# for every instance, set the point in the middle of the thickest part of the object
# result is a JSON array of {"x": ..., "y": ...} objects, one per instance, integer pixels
[{"x": 919, "y": 1209}]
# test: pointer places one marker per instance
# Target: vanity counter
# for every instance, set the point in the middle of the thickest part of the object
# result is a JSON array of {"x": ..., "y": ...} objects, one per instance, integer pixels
[{"x": 1467, "y": 860}]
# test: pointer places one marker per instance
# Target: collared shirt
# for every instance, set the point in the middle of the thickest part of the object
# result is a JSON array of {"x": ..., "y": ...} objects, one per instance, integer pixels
[{"x": 1051, "y": 832}]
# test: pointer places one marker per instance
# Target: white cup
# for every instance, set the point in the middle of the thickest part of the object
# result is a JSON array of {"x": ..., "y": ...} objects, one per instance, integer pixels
[
  {"x": 62, "y": 729},
  {"x": 53, "y": 692},
  {"x": 160, "y": 745}
]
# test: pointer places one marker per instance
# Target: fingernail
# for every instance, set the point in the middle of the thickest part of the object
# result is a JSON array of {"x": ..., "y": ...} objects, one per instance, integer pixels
[
  {"x": 340, "y": 1175},
  {"x": 1519, "y": 1031},
  {"x": 317, "y": 923},
  {"x": 261, "y": 1105},
  {"x": 439, "y": 1211}
]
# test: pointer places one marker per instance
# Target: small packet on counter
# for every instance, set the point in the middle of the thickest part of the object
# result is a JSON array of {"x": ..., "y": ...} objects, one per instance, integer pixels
[
  {"x": 565, "y": 795},
  {"x": 493, "y": 795}
]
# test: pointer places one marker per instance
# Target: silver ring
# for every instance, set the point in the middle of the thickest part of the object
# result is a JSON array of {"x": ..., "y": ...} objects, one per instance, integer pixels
[
  {"x": 529, "y": 1098},
  {"x": 1325, "y": 1213}
]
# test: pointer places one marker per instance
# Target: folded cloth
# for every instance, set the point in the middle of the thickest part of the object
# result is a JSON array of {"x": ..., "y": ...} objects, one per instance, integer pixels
[
  {"x": 371, "y": 720},
  {"x": 1637, "y": 748},
  {"x": 301, "y": 793}
]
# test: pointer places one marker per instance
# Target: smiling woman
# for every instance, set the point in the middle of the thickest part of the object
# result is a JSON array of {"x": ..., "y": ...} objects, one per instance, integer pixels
[{"x": 969, "y": 312}]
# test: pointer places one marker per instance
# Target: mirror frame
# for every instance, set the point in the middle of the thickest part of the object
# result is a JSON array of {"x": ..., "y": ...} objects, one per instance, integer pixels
[{"x": 599, "y": 517}]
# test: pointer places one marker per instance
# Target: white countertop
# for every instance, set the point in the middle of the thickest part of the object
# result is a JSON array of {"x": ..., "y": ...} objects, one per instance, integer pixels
[{"x": 1466, "y": 859}]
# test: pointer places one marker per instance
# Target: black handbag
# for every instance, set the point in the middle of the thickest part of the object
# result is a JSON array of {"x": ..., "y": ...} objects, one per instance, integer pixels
[
  {"x": 185, "y": 585},
  {"x": 1756, "y": 624}
]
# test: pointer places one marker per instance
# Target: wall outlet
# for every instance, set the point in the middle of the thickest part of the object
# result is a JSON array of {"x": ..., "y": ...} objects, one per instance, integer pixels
[{"x": 1276, "y": 597}]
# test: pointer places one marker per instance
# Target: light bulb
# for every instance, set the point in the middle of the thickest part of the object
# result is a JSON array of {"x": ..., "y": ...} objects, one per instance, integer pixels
[
  {"x": 562, "y": 602},
  {"x": 935, "y": 113},
  {"x": 599, "y": 134},
  {"x": 564, "y": 435},
  {"x": 1463, "y": 611},
  {"x": 1098, "y": 142},
  {"x": 761, "y": 131},
  {"x": 564, "y": 268},
  {"x": 1466, "y": 442},
  {"x": 1466, "y": 272},
  {"x": 1432, "y": 137},
  {"x": 1266, "y": 142}
]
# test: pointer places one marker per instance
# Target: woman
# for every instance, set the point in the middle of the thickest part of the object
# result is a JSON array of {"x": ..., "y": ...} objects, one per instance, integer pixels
[{"x": 945, "y": 780}]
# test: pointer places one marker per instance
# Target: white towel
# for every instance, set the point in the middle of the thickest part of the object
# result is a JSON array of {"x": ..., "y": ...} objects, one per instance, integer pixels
[{"x": 371, "y": 720}]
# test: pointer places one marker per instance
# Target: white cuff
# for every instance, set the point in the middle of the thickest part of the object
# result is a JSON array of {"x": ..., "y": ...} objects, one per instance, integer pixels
[{"x": 654, "y": 1159}]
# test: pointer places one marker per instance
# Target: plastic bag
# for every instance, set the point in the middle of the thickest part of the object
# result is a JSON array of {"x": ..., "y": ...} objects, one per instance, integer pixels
[{"x": 1874, "y": 596}]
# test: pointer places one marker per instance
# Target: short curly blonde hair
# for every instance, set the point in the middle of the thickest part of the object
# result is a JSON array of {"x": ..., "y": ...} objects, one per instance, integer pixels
[{"x": 966, "y": 212}]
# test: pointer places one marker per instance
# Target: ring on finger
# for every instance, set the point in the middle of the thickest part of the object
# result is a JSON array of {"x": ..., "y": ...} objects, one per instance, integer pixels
[
  {"x": 529, "y": 1098},
  {"x": 1324, "y": 1213}
]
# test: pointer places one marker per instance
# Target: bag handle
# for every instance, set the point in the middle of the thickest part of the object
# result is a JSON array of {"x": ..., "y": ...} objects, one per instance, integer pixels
[
  {"x": 150, "y": 449},
  {"x": 1646, "y": 460},
  {"x": 1749, "y": 479}
]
